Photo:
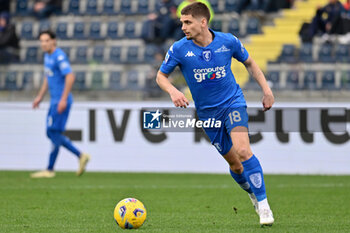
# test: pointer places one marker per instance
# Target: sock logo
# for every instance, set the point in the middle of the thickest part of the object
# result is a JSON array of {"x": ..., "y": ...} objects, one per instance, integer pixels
[{"x": 256, "y": 180}]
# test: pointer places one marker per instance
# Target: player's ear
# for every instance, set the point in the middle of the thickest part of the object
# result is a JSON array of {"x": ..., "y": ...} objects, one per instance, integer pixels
[{"x": 204, "y": 22}]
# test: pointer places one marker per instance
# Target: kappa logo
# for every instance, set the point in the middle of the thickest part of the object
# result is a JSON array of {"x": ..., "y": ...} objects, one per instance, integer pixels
[
  {"x": 190, "y": 54},
  {"x": 222, "y": 49},
  {"x": 256, "y": 180}
]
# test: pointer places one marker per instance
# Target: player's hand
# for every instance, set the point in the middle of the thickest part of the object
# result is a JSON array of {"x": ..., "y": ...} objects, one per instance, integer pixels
[
  {"x": 36, "y": 102},
  {"x": 179, "y": 99},
  {"x": 268, "y": 101},
  {"x": 62, "y": 105}
]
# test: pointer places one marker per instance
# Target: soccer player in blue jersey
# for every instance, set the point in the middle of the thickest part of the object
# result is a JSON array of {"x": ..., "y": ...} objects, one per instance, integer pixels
[
  {"x": 204, "y": 57},
  {"x": 59, "y": 79}
]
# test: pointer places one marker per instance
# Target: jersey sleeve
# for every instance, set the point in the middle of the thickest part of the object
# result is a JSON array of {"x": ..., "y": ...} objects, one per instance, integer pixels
[
  {"x": 239, "y": 52},
  {"x": 170, "y": 61},
  {"x": 63, "y": 64}
]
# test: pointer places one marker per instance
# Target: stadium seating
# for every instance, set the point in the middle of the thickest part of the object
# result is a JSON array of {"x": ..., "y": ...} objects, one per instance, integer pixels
[
  {"x": 133, "y": 80},
  {"x": 125, "y": 7},
  {"x": 231, "y": 5},
  {"x": 253, "y": 26},
  {"x": 61, "y": 30},
  {"x": 273, "y": 78},
  {"x": 98, "y": 54},
  {"x": 11, "y": 81},
  {"x": 133, "y": 54},
  {"x": 292, "y": 82},
  {"x": 27, "y": 30},
  {"x": 234, "y": 27},
  {"x": 115, "y": 79},
  {"x": 251, "y": 84},
  {"x": 325, "y": 54},
  {"x": 28, "y": 80},
  {"x": 22, "y": 7},
  {"x": 94, "y": 37},
  {"x": 328, "y": 80},
  {"x": 31, "y": 55},
  {"x": 215, "y": 5},
  {"x": 81, "y": 55},
  {"x": 95, "y": 31},
  {"x": 79, "y": 83},
  {"x": 345, "y": 80},
  {"x": 288, "y": 54},
  {"x": 129, "y": 30},
  {"x": 108, "y": 7},
  {"x": 143, "y": 7},
  {"x": 97, "y": 80},
  {"x": 43, "y": 26},
  {"x": 73, "y": 7},
  {"x": 150, "y": 52},
  {"x": 66, "y": 50},
  {"x": 305, "y": 54},
  {"x": 112, "y": 30},
  {"x": 216, "y": 25},
  {"x": 342, "y": 53},
  {"x": 91, "y": 7},
  {"x": 310, "y": 80},
  {"x": 115, "y": 54},
  {"x": 79, "y": 31}
]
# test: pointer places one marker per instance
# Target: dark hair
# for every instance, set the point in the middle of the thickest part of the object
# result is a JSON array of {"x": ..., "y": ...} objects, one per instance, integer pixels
[
  {"x": 48, "y": 32},
  {"x": 196, "y": 9}
]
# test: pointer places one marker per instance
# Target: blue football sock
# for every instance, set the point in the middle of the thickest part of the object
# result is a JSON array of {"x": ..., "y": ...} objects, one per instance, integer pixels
[
  {"x": 69, "y": 146},
  {"x": 58, "y": 140},
  {"x": 242, "y": 181},
  {"x": 255, "y": 177},
  {"x": 53, "y": 156}
]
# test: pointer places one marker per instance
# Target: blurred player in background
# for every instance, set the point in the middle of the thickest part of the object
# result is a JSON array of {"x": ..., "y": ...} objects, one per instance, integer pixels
[
  {"x": 59, "y": 80},
  {"x": 204, "y": 57}
]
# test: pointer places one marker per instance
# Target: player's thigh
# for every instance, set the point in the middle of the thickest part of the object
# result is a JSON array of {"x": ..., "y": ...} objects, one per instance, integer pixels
[
  {"x": 55, "y": 120},
  {"x": 236, "y": 124}
]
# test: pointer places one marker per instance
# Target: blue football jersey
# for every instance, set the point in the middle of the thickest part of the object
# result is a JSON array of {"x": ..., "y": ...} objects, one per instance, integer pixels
[
  {"x": 56, "y": 67},
  {"x": 207, "y": 70}
]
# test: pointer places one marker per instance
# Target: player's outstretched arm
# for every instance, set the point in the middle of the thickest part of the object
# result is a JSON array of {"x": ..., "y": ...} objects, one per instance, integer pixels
[
  {"x": 70, "y": 78},
  {"x": 41, "y": 94},
  {"x": 176, "y": 96},
  {"x": 254, "y": 70}
]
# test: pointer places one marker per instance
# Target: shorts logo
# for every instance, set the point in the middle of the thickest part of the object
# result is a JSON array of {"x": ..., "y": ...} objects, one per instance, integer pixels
[
  {"x": 256, "y": 180},
  {"x": 151, "y": 120},
  {"x": 206, "y": 55}
]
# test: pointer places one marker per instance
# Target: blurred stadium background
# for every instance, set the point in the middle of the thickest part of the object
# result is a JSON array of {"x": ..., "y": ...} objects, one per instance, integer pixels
[
  {"x": 115, "y": 74},
  {"x": 103, "y": 41}
]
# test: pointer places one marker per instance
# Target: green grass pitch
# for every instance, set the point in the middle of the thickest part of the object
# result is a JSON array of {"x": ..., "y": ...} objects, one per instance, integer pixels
[{"x": 175, "y": 203}]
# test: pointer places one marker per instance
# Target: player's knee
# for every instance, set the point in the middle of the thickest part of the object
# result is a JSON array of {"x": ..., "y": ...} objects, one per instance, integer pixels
[
  {"x": 54, "y": 136},
  {"x": 244, "y": 153}
]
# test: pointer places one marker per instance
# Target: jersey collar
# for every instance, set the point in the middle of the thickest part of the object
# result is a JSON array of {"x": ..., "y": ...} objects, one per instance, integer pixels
[{"x": 214, "y": 37}]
